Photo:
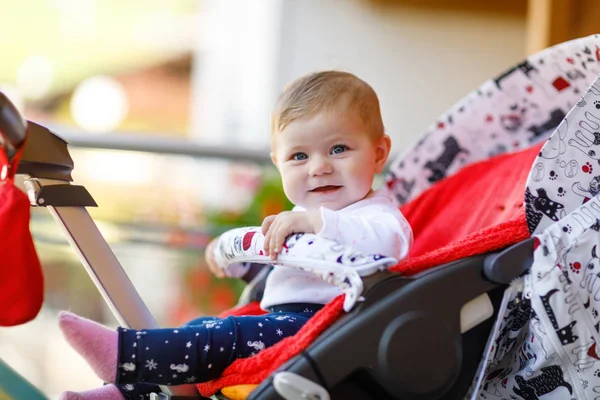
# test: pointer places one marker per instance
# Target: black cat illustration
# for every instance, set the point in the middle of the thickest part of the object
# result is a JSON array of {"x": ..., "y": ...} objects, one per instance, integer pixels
[
  {"x": 565, "y": 334},
  {"x": 440, "y": 166},
  {"x": 526, "y": 67},
  {"x": 547, "y": 206},
  {"x": 538, "y": 206},
  {"x": 550, "y": 380},
  {"x": 556, "y": 116},
  {"x": 518, "y": 316}
]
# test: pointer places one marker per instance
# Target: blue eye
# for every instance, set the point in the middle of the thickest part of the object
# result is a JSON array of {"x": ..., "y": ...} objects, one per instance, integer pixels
[
  {"x": 339, "y": 149},
  {"x": 299, "y": 157}
]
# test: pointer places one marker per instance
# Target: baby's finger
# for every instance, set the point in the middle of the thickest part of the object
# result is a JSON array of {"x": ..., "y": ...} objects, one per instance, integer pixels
[
  {"x": 267, "y": 222},
  {"x": 270, "y": 238},
  {"x": 267, "y": 242},
  {"x": 281, "y": 236},
  {"x": 273, "y": 245}
]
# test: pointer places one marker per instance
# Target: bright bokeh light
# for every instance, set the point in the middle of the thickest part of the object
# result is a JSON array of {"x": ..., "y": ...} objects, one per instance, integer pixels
[
  {"x": 99, "y": 104},
  {"x": 118, "y": 167},
  {"x": 34, "y": 77}
]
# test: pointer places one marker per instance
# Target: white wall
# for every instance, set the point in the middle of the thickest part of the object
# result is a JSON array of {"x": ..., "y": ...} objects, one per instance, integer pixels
[
  {"x": 233, "y": 77},
  {"x": 420, "y": 62}
]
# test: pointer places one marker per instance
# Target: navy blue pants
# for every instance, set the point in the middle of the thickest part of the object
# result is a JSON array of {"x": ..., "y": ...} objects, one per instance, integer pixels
[{"x": 198, "y": 351}]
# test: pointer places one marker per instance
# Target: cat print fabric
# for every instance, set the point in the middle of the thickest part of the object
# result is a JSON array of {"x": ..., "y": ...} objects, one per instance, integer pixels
[
  {"x": 545, "y": 342},
  {"x": 566, "y": 173}
]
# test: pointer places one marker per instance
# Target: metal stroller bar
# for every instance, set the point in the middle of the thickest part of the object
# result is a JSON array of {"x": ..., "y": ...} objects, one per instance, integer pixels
[
  {"x": 163, "y": 145},
  {"x": 168, "y": 145},
  {"x": 47, "y": 167}
]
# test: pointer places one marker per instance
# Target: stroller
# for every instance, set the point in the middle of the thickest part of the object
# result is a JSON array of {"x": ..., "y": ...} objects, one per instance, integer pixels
[{"x": 498, "y": 298}]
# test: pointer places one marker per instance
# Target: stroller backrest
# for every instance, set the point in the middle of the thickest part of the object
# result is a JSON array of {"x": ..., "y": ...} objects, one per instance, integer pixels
[{"x": 481, "y": 195}]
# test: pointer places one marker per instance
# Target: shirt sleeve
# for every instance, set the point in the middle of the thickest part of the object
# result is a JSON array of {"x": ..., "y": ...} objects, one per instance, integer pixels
[{"x": 376, "y": 231}]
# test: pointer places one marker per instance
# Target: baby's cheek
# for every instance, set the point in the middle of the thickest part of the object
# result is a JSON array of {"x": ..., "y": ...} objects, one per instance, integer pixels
[
  {"x": 291, "y": 190},
  {"x": 364, "y": 178}
]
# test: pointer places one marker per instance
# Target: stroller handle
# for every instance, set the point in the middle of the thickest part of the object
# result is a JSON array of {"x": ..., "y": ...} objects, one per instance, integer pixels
[{"x": 13, "y": 128}]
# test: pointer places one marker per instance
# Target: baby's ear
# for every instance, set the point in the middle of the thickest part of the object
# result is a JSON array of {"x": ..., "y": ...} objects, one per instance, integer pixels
[{"x": 382, "y": 151}]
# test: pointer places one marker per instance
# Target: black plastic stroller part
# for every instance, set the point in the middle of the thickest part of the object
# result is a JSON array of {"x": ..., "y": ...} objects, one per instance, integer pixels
[
  {"x": 13, "y": 128},
  {"x": 255, "y": 279},
  {"x": 508, "y": 264},
  {"x": 253, "y": 272},
  {"x": 64, "y": 196},
  {"x": 403, "y": 342},
  {"x": 45, "y": 155}
]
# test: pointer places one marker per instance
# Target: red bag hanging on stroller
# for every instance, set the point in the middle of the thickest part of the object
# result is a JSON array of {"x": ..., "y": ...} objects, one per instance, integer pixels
[{"x": 19, "y": 264}]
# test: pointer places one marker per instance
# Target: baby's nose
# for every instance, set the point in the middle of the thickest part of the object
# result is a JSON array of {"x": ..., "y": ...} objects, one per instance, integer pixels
[{"x": 320, "y": 166}]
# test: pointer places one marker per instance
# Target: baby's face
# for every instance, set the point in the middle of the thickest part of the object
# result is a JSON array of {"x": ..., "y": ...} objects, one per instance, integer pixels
[{"x": 328, "y": 160}]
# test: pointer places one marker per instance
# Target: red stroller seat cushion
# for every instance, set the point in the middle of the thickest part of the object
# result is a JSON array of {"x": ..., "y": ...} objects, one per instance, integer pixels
[
  {"x": 479, "y": 196},
  {"x": 21, "y": 282},
  {"x": 477, "y": 210}
]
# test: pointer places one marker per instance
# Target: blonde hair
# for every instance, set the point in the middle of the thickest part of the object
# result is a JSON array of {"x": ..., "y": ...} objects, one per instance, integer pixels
[{"x": 324, "y": 91}]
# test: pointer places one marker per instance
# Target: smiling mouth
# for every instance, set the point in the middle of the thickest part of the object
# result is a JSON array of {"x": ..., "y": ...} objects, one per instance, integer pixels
[{"x": 326, "y": 189}]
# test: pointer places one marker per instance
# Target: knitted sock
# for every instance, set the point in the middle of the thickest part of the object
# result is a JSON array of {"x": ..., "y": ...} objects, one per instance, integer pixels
[
  {"x": 106, "y": 392},
  {"x": 97, "y": 344}
]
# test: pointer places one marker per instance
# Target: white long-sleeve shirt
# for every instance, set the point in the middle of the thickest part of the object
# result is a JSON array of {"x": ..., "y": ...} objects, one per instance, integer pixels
[{"x": 373, "y": 226}]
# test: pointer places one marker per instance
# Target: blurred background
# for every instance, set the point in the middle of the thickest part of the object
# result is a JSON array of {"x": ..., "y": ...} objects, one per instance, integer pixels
[{"x": 166, "y": 105}]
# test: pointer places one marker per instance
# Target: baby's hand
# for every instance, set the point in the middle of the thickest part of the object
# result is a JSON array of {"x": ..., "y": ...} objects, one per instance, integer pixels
[{"x": 277, "y": 228}]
